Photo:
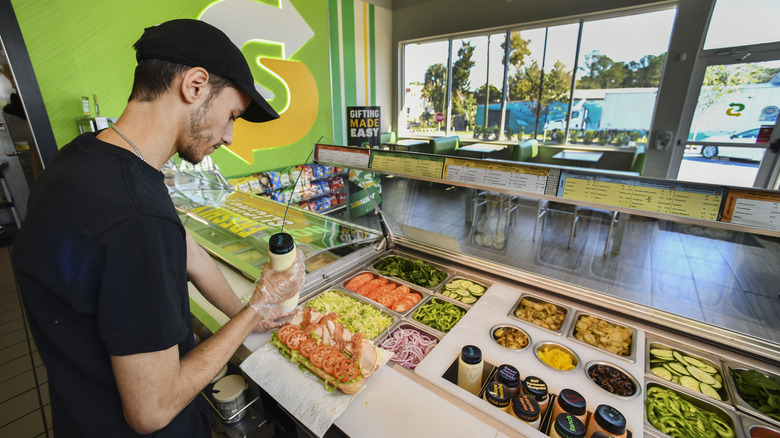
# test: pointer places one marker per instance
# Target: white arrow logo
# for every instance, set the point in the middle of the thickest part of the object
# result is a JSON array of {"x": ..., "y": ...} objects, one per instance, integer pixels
[{"x": 246, "y": 20}]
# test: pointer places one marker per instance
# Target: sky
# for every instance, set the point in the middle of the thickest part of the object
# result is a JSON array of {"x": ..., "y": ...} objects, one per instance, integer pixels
[{"x": 622, "y": 39}]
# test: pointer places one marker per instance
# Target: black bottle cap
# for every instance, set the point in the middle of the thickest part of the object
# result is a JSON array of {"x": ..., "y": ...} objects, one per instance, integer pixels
[
  {"x": 572, "y": 401},
  {"x": 569, "y": 426},
  {"x": 610, "y": 419},
  {"x": 471, "y": 354},
  {"x": 525, "y": 408},
  {"x": 281, "y": 243},
  {"x": 536, "y": 387},
  {"x": 497, "y": 394},
  {"x": 508, "y": 375}
]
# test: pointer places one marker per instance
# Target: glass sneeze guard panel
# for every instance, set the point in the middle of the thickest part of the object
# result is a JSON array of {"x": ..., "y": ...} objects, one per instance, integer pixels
[{"x": 236, "y": 226}]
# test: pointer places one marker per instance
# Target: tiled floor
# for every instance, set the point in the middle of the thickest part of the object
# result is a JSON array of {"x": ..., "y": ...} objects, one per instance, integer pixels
[
  {"x": 24, "y": 392},
  {"x": 717, "y": 276}
]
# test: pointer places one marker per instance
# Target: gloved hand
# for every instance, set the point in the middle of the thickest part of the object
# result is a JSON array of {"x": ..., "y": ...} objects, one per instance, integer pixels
[{"x": 273, "y": 288}]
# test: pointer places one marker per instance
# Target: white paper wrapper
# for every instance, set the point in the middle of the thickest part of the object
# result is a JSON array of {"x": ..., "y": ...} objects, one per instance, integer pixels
[{"x": 302, "y": 393}]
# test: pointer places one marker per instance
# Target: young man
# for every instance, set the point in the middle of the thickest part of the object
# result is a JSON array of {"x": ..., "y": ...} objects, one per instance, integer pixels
[{"x": 103, "y": 261}]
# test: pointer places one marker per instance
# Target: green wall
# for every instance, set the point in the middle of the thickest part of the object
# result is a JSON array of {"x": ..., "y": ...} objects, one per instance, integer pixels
[{"x": 80, "y": 47}]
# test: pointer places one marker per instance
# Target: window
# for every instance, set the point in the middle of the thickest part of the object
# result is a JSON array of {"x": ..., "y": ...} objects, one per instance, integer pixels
[{"x": 611, "y": 86}]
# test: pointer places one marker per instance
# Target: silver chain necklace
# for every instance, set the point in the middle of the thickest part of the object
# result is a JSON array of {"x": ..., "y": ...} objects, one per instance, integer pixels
[{"x": 140, "y": 155}]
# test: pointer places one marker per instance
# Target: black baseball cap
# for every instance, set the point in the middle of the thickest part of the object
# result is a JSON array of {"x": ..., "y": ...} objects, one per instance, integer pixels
[{"x": 198, "y": 44}]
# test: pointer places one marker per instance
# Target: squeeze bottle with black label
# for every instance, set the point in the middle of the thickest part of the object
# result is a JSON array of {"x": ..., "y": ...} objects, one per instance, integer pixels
[
  {"x": 281, "y": 255},
  {"x": 470, "y": 369}
]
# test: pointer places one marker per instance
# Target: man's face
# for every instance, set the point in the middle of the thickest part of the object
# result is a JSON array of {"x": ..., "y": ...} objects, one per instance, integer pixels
[{"x": 211, "y": 124}]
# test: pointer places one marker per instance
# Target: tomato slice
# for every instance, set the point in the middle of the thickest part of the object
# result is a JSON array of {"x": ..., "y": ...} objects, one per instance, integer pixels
[
  {"x": 319, "y": 354},
  {"x": 307, "y": 347},
  {"x": 403, "y": 289},
  {"x": 286, "y": 331},
  {"x": 345, "y": 370},
  {"x": 330, "y": 361},
  {"x": 295, "y": 339},
  {"x": 386, "y": 300},
  {"x": 358, "y": 281},
  {"x": 404, "y": 304}
]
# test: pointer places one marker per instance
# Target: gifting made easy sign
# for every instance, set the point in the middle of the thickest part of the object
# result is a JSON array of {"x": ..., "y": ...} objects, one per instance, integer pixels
[{"x": 363, "y": 126}]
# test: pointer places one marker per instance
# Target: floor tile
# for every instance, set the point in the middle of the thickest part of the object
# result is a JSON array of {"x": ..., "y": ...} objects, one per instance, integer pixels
[
  {"x": 670, "y": 263},
  {"x": 767, "y": 309},
  {"x": 757, "y": 275},
  {"x": 683, "y": 308},
  {"x": 737, "y": 325},
  {"x": 723, "y": 301},
  {"x": 15, "y": 367},
  {"x": 672, "y": 288},
  {"x": 19, "y": 406},
  {"x": 13, "y": 338},
  {"x": 713, "y": 272},
  {"x": 29, "y": 425},
  {"x": 14, "y": 352},
  {"x": 17, "y": 385}
]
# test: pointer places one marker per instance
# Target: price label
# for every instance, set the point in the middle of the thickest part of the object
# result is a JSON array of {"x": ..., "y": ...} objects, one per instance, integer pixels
[{"x": 343, "y": 156}]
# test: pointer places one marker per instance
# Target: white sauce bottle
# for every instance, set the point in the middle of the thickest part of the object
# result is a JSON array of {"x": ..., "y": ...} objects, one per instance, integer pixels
[
  {"x": 470, "y": 369},
  {"x": 281, "y": 255}
]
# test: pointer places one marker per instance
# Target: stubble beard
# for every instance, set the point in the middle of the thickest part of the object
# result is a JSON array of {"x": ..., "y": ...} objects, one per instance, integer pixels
[{"x": 197, "y": 134}]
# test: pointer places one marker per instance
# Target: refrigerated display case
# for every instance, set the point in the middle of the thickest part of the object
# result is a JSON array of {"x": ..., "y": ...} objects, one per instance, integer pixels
[{"x": 601, "y": 332}]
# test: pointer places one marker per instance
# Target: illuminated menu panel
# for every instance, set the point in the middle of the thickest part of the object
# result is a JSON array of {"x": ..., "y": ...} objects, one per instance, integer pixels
[
  {"x": 688, "y": 200},
  {"x": 343, "y": 156},
  {"x": 408, "y": 164},
  {"x": 496, "y": 175},
  {"x": 753, "y": 208}
]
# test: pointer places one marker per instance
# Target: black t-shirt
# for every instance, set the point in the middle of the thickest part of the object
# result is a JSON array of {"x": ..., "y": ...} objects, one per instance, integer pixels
[{"x": 101, "y": 264}]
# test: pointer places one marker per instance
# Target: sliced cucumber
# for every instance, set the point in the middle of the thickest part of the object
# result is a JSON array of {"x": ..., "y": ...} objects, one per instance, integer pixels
[
  {"x": 690, "y": 383},
  {"x": 717, "y": 384},
  {"x": 679, "y": 368},
  {"x": 671, "y": 370},
  {"x": 662, "y": 353},
  {"x": 462, "y": 292},
  {"x": 452, "y": 285},
  {"x": 466, "y": 283},
  {"x": 662, "y": 373},
  {"x": 476, "y": 290},
  {"x": 677, "y": 355},
  {"x": 693, "y": 361},
  {"x": 709, "y": 369},
  {"x": 709, "y": 391},
  {"x": 468, "y": 300},
  {"x": 676, "y": 379},
  {"x": 701, "y": 376}
]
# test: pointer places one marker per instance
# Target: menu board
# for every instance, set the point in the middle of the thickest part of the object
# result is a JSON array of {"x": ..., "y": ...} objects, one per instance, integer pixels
[
  {"x": 408, "y": 164},
  {"x": 343, "y": 156},
  {"x": 689, "y": 200},
  {"x": 496, "y": 175},
  {"x": 754, "y": 208}
]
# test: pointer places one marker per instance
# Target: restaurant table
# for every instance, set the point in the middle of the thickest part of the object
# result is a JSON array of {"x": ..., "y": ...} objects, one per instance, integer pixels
[
  {"x": 481, "y": 150},
  {"x": 588, "y": 158},
  {"x": 409, "y": 144}
]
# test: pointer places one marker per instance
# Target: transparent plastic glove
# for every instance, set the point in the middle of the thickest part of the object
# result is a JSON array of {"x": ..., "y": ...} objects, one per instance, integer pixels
[{"x": 274, "y": 288}]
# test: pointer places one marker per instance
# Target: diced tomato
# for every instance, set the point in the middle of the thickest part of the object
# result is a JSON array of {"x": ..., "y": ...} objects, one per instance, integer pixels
[{"x": 345, "y": 370}]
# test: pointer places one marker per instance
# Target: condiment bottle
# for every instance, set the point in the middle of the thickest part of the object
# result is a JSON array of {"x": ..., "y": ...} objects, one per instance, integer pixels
[
  {"x": 281, "y": 255},
  {"x": 536, "y": 388},
  {"x": 607, "y": 419},
  {"x": 600, "y": 434},
  {"x": 510, "y": 377},
  {"x": 567, "y": 426},
  {"x": 571, "y": 402},
  {"x": 497, "y": 395},
  {"x": 526, "y": 408},
  {"x": 470, "y": 369}
]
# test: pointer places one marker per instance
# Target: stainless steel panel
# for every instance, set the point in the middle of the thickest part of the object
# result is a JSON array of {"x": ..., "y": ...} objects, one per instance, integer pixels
[{"x": 754, "y": 428}]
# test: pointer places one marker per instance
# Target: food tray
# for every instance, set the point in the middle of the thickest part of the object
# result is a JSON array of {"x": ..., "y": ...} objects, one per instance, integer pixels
[
  {"x": 430, "y": 289},
  {"x": 631, "y": 357},
  {"x": 430, "y": 300},
  {"x": 493, "y": 329},
  {"x": 725, "y": 414},
  {"x": 423, "y": 329},
  {"x": 392, "y": 315},
  {"x": 738, "y": 401},
  {"x": 695, "y": 354},
  {"x": 556, "y": 346},
  {"x": 472, "y": 291},
  {"x": 753, "y": 425},
  {"x": 637, "y": 385},
  {"x": 563, "y": 309},
  {"x": 393, "y": 281}
]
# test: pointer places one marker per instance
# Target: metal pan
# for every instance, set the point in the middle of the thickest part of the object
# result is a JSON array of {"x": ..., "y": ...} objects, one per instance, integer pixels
[
  {"x": 536, "y": 300},
  {"x": 740, "y": 402},
  {"x": 380, "y": 311},
  {"x": 631, "y": 357},
  {"x": 430, "y": 288}
]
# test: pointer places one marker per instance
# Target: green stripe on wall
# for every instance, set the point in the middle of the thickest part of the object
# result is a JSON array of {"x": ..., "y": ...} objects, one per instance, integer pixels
[
  {"x": 372, "y": 48},
  {"x": 335, "y": 72},
  {"x": 348, "y": 35}
]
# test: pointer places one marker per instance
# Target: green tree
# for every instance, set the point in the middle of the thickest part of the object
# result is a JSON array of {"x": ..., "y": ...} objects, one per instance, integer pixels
[
  {"x": 646, "y": 72},
  {"x": 462, "y": 98},
  {"x": 494, "y": 94},
  {"x": 602, "y": 72},
  {"x": 435, "y": 85}
]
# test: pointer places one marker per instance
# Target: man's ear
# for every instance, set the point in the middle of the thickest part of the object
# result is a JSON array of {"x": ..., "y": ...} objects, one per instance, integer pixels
[{"x": 193, "y": 84}]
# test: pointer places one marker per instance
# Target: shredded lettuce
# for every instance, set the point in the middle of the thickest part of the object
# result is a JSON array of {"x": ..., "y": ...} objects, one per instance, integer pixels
[{"x": 355, "y": 315}]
